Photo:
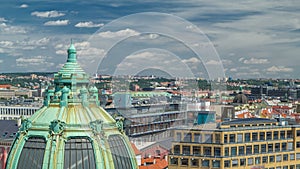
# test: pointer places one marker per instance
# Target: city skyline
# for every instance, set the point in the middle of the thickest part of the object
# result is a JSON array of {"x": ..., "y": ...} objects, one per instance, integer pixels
[{"x": 252, "y": 38}]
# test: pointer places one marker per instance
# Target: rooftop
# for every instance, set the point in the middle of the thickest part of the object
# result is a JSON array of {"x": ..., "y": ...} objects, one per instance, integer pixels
[{"x": 8, "y": 129}]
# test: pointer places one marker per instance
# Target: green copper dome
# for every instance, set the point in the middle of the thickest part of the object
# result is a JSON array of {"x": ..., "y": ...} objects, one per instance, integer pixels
[{"x": 71, "y": 130}]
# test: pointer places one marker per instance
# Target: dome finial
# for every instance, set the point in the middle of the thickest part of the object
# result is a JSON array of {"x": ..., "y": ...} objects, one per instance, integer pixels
[{"x": 71, "y": 53}]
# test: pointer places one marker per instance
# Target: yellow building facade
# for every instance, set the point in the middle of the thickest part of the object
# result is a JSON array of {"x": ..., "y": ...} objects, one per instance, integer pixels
[{"x": 238, "y": 144}]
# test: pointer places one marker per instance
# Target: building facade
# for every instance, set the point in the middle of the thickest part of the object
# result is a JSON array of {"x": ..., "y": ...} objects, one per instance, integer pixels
[
  {"x": 15, "y": 112},
  {"x": 8, "y": 132},
  {"x": 253, "y": 143}
]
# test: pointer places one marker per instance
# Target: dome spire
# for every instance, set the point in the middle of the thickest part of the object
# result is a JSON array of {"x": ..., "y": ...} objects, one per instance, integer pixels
[{"x": 72, "y": 53}]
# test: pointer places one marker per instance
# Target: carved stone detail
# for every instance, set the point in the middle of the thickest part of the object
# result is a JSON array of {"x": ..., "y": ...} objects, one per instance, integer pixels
[{"x": 57, "y": 127}]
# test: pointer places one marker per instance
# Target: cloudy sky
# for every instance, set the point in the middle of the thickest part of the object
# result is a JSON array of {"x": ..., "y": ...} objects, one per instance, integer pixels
[{"x": 239, "y": 39}]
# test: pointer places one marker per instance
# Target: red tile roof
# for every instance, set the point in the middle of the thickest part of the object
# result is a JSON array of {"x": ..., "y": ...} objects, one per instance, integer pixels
[
  {"x": 135, "y": 149},
  {"x": 5, "y": 86},
  {"x": 159, "y": 163}
]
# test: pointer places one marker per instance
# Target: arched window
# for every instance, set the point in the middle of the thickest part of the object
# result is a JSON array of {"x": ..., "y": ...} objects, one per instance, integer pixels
[
  {"x": 32, "y": 154},
  {"x": 119, "y": 152},
  {"x": 79, "y": 154}
]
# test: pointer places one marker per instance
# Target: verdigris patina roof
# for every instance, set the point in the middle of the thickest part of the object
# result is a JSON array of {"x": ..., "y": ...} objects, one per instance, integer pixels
[{"x": 71, "y": 130}]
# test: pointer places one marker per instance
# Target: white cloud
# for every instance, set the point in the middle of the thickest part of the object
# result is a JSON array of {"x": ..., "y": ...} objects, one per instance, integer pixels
[
  {"x": 57, "y": 23},
  {"x": 149, "y": 36},
  {"x": 8, "y": 29},
  {"x": 88, "y": 24},
  {"x": 256, "y": 61},
  {"x": 6, "y": 43},
  {"x": 33, "y": 61},
  {"x": 1, "y": 61},
  {"x": 213, "y": 62},
  {"x": 233, "y": 70},
  {"x": 83, "y": 49},
  {"x": 23, "y": 6},
  {"x": 47, "y": 14},
  {"x": 120, "y": 33},
  {"x": 249, "y": 74},
  {"x": 241, "y": 59},
  {"x": 3, "y": 20},
  {"x": 226, "y": 62},
  {"x": 154, "y": 58},
  {"x": 279, "y": 69},
  {"x": 193, "y": 60},
  {"x": 142, "y": 55}
]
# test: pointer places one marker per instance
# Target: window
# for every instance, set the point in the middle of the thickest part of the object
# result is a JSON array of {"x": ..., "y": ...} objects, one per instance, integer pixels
[
  {"x": 174, "y": 161},
  {"x": 292, "y": 166},
  {"x": 298, "y": 133},
  {"x": 263, "y": 148},
  {"x": 249, "y": 150},
  {"x": 207, "y": 151},
  {"x": 242, "y": 162},
  {"x": 265, "y": 159},
  {"x": 184, "y": 161},
  {"x": 257, "y": 160},
  {"x": 247, "y": 137},
  {"x": 197, "y": 138},
  {"x": 275, "y": 135},
  {"x": 270, "y": 148},
  {"x": 298, "y": 144},
  {"x": 256, "y": 149},
  {"x": 226, "y": 163},
  {"x": 232, "y": 138},
  {"x": 289, "y": 134},
  {"x": 217, "y": 138},
  {"x": 225, "y": 138},
  {"x": 262, "y": 136},
  {"x": 272, "y": 159},
  {"x": 282, "y": 135},
  {"x": 254, "y": 136},
  {"x": 208, "y": 138},
  {"x": 205, "y": 163},
  {"x": 234, "y": 163},
  {"x": 241, "y": 150},
  {"x": 196, "y": 150},
  {"x": 290, "y": 146},
  {"x": 226, "y": 151},
  {"x": 285, "y": 157},
  {"x": 239, "y": 138},
  {"x": 217, "y": 151},
  {"x": 269, "y": 135},
  {"x": 186, "y": 150},
  {"x": 177, "y": 149},
  {"x": 178, "y": 137},
  {"x": 250, "y": 161},
  {"x": 216, "y": 163},
  {"x": 79, "y": 153},
  {"x": 120, "y": 154},
  {"x": 283, "y": 146},
  {"x": 34, "y": 148},
  {"x": 278, "y": 158},
  {"x": 187, "y": 137},
  {"x": 233, "y": 151},
  {"x": 292, "y": 156},
  {"x": 298, "y": 156},
  {"x": 194, "y": 162},
  {"x": 277, "y": 147}
]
